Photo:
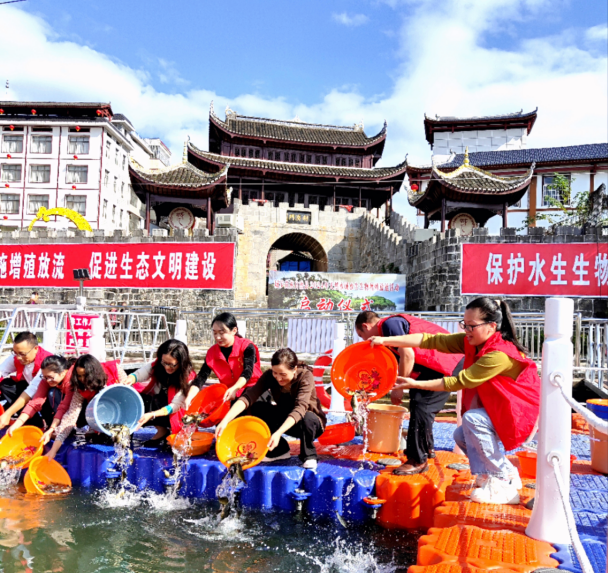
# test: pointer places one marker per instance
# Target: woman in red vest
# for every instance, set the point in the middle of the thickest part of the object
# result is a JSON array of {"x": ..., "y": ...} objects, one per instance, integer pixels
[
  {"x": 88, "y": 378},
  {"x": 167, "y": 387},
  {"x": 234, "y": 359},
  {"x": 501, "y": 394}
]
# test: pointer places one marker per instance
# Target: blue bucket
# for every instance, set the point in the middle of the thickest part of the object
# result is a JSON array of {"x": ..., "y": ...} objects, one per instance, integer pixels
[
  {"x": 115, "y": 405},
  {"x": 598, "y": 407}
]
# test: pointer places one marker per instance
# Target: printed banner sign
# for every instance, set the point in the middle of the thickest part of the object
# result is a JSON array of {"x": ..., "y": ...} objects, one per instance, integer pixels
[
  {"x": 318, "y": 290},
  {"x": 83, "y": 330},
  {"x": 571, "y": 270},
  {"x": 141, "y": 265}
]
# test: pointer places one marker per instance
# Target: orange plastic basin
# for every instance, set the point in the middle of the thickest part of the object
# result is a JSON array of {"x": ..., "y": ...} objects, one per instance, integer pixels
[
  {"x": 362, "y": 368},
  {"x": 42, "y": 472},
  {"x": 210, "y": 401},
  {"x": 24, "y": 445},
  {"x": 528, "y": 463},
  {"x": 337, "y": 434},
  {"x": 244, "y": 437},
  {"x": 200, "y": 443}
]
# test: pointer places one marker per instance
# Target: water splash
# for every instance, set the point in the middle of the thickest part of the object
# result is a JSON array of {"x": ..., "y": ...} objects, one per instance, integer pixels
[
  {"x": 348, "y": 557},
  {"x": 124, "y": 498},
  {"x": 228, "y": 490},
  {"x": 9, "y": 476},
  {"x": 166, "y": 502}
]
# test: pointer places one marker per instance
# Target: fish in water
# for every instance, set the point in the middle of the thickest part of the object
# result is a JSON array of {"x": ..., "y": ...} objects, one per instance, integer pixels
[
  {"x": 167, "y": 474},
  {"x": 54, "y": 487},
  {"x": 341, "y": 520},
  {"x": 188, "y": 420}
]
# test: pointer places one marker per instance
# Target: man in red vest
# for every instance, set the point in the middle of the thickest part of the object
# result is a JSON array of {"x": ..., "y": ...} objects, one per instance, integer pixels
[
  {"x": 421, "y": 364},
  {"x": 20, "y": 368}
]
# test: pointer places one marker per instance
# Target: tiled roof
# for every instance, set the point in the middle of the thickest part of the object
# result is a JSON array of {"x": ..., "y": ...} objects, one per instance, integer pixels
[
  {"x": 302, "y": 168},
  {"x": 121, "y": 118},
  {"x": 527, "y": 156},
  {"x": 92, "y": 105},
  {"x": 179, "y": 175},
  {"x": 296, "y": 131},
  {"x": 515, "y": 115}
]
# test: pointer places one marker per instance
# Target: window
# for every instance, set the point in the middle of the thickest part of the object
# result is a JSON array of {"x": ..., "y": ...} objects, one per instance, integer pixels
[
  {"x": 123, "y": 189},
  {"x": 550, "y": 190},
  {"x": 113, "y": 214},
  {"x": 106, "y": 178},
  {"x": 105, "y": 209},
  {"x": 39, "y": 129},
  {"x": 251, "y": 153},
  {"x": 293, "y": 158},
  {"x": 116, "y": 154},
  {"x": 337, "y": 161},
  {"x": 11, "y": 172},
  {"x": 115, "y": 184},
  {"x": 308, "y": 159},
  {"x": 124, "y": 161},
  {"x": 108, "y": 146},
  {"x": 257, "y": 154},
  {"x": 324, "y": 160},
  {"x": 79, "y": 130},
  {"x": 301, "y": 158},
  {"x": 77, "y": 174},
  {"x": 357, "y": 162},
  {"x": 120, "y": 221},
  {"x": 9, "y": 203},
  {"x": 78, "y": 144},
  {"x": 243, "y": 152},
  {"x": 350, "y": 162},
  {"x": 12, "y": 144},
  {"x": 40, "y": 174},
  {"x": 35, "y": 202},
  {"x": 77, "y": 202},
  {"x": 277, "y": 156},
  {"x": 42, "y": 144},
  {"x": 237, "y": 152}
]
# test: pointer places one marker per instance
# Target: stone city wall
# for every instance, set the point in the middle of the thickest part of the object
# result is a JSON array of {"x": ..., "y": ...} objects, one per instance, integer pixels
[
  {"x": 188, "y": 299},
  {"x": 432, "y": 267}
]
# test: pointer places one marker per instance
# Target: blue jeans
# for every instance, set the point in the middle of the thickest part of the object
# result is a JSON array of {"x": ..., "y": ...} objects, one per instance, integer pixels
[{"x": 478, "y": 439}]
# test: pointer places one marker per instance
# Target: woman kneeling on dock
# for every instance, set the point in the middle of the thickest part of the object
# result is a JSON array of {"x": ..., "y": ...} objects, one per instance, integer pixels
[
  {"x": 501, "y": 393},
  {"x": 167, "y": 387},
  {"x": 88, "y": 378},
  {"x": 295, "y": 409},
  {"x": 234, "y": 359},
  {"x": 55, "y": 372}
]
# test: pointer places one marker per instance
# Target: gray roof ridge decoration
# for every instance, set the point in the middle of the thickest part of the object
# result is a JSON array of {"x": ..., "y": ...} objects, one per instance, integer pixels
[
  {"x": 513, "y": 115},
  {"x": 304, "y": 168},
  {"x": 182, "y": 174},
  {"x": 296, "y": 127}
]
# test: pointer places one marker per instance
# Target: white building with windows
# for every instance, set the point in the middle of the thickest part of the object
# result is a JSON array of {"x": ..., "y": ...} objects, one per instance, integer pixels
[{"x": 73, "y": 155}]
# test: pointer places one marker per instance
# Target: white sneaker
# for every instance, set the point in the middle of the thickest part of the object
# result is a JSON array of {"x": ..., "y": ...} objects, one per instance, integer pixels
[
  {"x": 283, "y": 456},
  {"x": 481, "y": 480},
  {"x": 310, "y": 464},
  {"x": 496, "y": 491},
  {"x": 514, "y": 477}
]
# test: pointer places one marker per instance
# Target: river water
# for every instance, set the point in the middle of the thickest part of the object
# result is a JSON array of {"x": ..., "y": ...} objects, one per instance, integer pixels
[{"x": 88, "y": 531}]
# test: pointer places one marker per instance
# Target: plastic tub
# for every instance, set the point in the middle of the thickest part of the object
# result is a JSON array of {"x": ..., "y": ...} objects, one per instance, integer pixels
[
  {"x": 385, "y": 428},
  {"x": 24, "y": 445},
  {"x": 528, "y": 463},
  {"x": 362, "y": 368},
  {"x": 43, "y": 472},
  {"x": 200, "y": 443},
  {"x": 115, "y": 405},
  {"x": 337, "y": 434},
  {"x": 210, "y": 401},
  {"x": 243, "y": 437},
  {"x": 598, "y": 439},
  {"x": 598, "y": 407}
]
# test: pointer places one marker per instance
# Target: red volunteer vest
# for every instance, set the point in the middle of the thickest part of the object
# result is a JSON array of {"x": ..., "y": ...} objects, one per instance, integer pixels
[
  {"x": 41, "y": 355},
  {"x": 512, "y": 405},
  {"x": 444, "y": 363},
  {"x": 229, "y": 371},
  {"x": 147, "y": 388},
  {"x": 111, "y": 370}
]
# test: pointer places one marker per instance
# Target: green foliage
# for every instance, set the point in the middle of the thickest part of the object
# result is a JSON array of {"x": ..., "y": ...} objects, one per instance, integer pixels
[{"x": 390, "y": 268}]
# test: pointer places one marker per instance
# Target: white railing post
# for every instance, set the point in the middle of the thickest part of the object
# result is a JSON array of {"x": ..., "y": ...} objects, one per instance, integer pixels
[
  {"x": 97, "y": 342},
  {"x": 337, "y": 402},
  {"x": 548, "y": 520},
  {"x": 49, "y": 336},
  {"x": 181, "y": 331}
]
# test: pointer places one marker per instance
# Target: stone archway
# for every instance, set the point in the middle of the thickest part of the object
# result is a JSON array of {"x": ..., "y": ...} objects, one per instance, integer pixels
[{"x": 298, "y": 246}]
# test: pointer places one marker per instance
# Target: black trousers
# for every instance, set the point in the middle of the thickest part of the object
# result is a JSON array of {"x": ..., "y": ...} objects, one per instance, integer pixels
[
  {"x": 11, "y": 390},
  {"x": 307, "y": 429},
  {"x": 154, "y": 403}
]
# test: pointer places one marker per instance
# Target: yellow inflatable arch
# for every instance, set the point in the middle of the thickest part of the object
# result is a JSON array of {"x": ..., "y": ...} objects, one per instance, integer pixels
[{"x": 73, "y": 216}]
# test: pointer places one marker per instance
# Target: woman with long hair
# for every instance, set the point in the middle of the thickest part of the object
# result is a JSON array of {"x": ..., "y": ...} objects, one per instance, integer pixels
[
  {"x": 295, "y": 409},
  {"x": 166, "y": 387},
  {"x": 234, "y": 359},
  {"x": 501, "y": 393},
  {"x": 88, "y": 378},
  {"x": 55, "y": 374}
]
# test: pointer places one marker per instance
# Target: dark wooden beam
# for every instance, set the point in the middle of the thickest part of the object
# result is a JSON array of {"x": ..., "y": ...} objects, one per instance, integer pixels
[
  {"x": 360, "y": 196},
  {"x": 209, "y": 215},
  {"x": 240, "y": 190},
  {"x": 533, "y": 201},
  {"x": 505, "y": 214},
  {"x": 262, "y": 190},
  {"x": 443, "y": 215},
  {"x": 148, "y": 212}
]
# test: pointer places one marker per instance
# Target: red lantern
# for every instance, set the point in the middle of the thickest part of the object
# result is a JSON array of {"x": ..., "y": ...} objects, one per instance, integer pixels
[
  {"x": 73, "y": 187},
  {"x": 414, "y": 187},
  {"x": 11, "y": 127},
  {"x": 33, "y": 112},
  {"x": 1, "y": 112},
  {"x": 99, "y": 112},
  {"x": 75, "y": 157},
  {"x": 6, "y": 185},
  {"x": 77, "y": 128},
  {"x": 6, "y": 217},
  {"x": 9, "y": 156}
]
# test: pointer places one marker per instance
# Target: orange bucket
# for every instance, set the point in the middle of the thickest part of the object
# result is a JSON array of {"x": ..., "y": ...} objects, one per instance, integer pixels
[
  {"x": 243, "y": 437},
  {"x": 23, "y": 446},
  {"x": 200, "y": 443},
  {"x": 210, "y": 401},
  {"x": 528, "y": 463},
  {"x": 337, "y": 434},
  {"x": 362, "y": 368},
  {"x": 44, "y": 472}
]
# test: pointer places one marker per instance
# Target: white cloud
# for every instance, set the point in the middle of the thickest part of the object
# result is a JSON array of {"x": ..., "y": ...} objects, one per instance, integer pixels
[
  {"x": 446, "y": 68},
  {"x": 352, "y": 20},
  {"x": 597, "y": 33}
]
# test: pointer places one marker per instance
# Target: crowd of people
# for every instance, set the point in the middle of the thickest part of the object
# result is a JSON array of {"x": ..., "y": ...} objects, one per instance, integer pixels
[{"x": 500, "y": 389}]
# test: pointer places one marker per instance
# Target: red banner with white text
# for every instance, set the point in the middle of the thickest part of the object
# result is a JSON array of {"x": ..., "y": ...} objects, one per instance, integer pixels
[
  {"x": 571, "y": 270},
  {"x": 135, "y": 265}
]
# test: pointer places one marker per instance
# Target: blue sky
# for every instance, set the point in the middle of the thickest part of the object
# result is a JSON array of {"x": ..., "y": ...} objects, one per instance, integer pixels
[{"x": 339, "y": 62}]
